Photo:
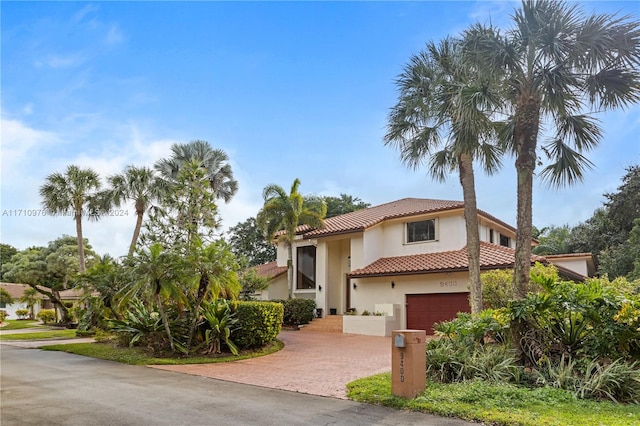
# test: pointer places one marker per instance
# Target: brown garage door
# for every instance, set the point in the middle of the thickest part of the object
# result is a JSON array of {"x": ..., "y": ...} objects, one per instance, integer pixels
[{"x": 423, "y": 310}]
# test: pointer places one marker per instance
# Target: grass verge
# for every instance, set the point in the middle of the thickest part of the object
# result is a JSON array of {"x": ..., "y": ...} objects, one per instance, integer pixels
[
  {"x": 20, "y": 324},
  {"x": 499, "y": 404},
  {"x": 136, "y": 356},
  {"x": 41, "y": 335}
]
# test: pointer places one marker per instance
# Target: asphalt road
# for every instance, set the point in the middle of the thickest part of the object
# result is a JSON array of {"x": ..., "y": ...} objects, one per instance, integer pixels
[{"x": 56, "y": 388}]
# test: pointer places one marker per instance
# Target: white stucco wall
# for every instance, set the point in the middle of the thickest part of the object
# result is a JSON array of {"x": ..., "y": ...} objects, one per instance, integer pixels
[
  {"x": 378, "y": 290},
  {"x": 575, "y": 265},
  {"x": 277, "y": 289},
  {"x": 12, "y": 308}
]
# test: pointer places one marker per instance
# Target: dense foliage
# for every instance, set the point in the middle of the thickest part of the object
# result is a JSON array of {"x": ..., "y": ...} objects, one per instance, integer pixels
[
  {"x": 258, "y": 323},
  {"x": 582, "y": 337},
  {"x": 298, "y": 311}
]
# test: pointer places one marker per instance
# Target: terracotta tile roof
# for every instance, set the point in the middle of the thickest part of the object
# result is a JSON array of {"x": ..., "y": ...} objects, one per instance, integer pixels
[
  {"x": 365, "y": 218},
  {"x": 491, "y": 257},
  {"x": 362, "y": 219},
  {"x": 270, "y": 270}
]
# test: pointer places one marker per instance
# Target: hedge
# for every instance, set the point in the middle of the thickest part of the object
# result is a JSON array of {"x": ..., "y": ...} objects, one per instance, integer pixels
[
  {"x": 258, "y": 323},
  {"x": 298, "y": 311}
]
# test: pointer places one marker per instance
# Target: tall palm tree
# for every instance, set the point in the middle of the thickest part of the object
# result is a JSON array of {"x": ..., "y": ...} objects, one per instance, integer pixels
[
  {"x": 440, "y": 94},
  {"x": 559, "y": 68},
  {"x": 137, "y": 184},
  {"x": 285, "y": 212},
  {"x": 214, "y": 161},
  {"x": 74, "y": 193}
]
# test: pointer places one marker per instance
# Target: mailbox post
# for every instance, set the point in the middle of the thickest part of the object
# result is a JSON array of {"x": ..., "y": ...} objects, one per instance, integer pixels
[{"x": 408, "y": 359}]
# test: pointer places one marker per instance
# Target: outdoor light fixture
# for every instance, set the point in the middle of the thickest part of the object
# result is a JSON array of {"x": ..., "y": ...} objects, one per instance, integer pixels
[
  {"x": 319, "y": 288},
  {"x": 393, "y": 284},
  {"x": 355, "y": 286}
]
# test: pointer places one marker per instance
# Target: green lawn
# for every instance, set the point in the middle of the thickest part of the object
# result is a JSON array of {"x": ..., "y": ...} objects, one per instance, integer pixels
[
  {"x": 20, "y": 324},
  {"x": 499, "y": 404},
  {"x": 136, "y": 356},
  {"x": 45, "y": 334}
]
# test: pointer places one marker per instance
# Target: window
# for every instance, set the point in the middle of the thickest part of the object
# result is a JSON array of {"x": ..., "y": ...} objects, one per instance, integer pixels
[
  {"x": 505, "y": 241},
  {"x": 3, "y": 305},
  {"x": 424, "y": 230},
  {"x": 491, "y": 238},
  {"x": 306, "y": 276}
]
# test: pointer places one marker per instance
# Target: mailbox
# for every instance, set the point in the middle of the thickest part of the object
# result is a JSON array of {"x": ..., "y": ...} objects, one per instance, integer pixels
[{"x": 408, "y": 363}]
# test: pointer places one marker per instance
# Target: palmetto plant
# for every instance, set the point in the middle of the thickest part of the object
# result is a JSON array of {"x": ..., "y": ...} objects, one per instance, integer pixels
[
  {"x": 213, "y": 161},
  {"x": 285, "y": 212},
  {"x": 74, "y": 193},
  {"x": 558, "y": 68},
  {"x": 443, "y": 120}
]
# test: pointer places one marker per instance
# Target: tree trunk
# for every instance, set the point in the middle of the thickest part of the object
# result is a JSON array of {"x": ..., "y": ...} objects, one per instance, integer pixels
[
  {"x": 165, "y": 320},
  {"x": 203, "y": 286},
  {"x": 136, "y": 231},
  {"x": 290, "y": 269},
  {"x": 78, "y": 215},
  {"x": 527, "y": 121},
  {"x": 467, "y": 180}
]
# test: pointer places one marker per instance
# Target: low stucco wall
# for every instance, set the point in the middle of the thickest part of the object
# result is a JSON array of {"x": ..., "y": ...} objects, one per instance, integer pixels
[{"x": 370, "y": 325}]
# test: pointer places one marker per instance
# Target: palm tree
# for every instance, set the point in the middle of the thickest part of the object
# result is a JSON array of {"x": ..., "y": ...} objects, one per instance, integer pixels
[
  {"x": 214, "y": 161},
  {"x": 440, "y": 94},
  {"x": 558, "y": 67},
  {"x": 285, "y": 212},
  {"x": 74, "y": 193},
  {"x": 140, "y": 185},
  {"x": 29, "y": 298},
  {"x": 215, "y": 266},
  {"x": 157, "y": 270}
]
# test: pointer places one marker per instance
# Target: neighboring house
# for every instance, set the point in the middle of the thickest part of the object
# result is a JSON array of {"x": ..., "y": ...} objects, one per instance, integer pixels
[
  {"x": 277, "y": 281},
  {"x": 16, "y": 291},
  {"x": 407, "y": 256}
]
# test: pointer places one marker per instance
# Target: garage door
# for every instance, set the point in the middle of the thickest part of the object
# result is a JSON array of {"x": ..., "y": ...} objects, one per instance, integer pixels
[{"x": 423, "y": 310}]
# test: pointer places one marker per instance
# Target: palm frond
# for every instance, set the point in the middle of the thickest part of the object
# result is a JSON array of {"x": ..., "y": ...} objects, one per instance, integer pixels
[{"x": 568, "y": 166}]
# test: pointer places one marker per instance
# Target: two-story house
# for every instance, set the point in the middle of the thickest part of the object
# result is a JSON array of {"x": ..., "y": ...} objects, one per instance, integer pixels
[{"x": 407, "y": 258}]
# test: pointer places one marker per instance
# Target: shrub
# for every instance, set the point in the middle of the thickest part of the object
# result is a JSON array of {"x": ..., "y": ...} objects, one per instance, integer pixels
[
  {"x": 259, "y": 323},
  {"x": 47, "y": 315},
  {"x": 3, "y": 316},
  {"x": 22, "y": 313},
  {"x": 141, "y": 326},
  {"x": 298, "y": 311},
  {"x": 219, "y": 322}
]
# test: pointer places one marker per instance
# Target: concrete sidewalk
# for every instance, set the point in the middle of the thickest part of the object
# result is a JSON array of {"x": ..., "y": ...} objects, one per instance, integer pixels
[{"x": 315, "y": 363}]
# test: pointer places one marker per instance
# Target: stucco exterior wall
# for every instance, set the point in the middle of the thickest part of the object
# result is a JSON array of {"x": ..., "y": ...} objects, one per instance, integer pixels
[
  {"x": 374, "y": 241},
  {"x": 575, "y": 265},
  {"x": 12, "y": 308},
  {"x": 277, "y": 289},
  {"x": 378, "y": 290}
]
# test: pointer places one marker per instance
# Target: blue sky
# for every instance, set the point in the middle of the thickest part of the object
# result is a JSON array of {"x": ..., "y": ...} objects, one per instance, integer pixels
[{"x": 286, "y": 89}]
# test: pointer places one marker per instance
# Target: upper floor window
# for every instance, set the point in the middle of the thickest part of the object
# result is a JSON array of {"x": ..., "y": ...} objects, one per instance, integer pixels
[
  {"x": 425, "y": 230},
  {"x": 306, "y": 270},
  {"x": 505, "y": 241}
]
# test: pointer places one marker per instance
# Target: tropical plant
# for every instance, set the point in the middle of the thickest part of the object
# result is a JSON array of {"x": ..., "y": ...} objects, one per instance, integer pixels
[
  {"x": 137, "y": 184},
  {"x": 215, "y": 268},
  {"x": 157, "y": 271},
  {"x": 214, "y": 162},
  {"x": 282, "y": 213},
  {"x": 558, "y": 68},
  {"x": 442, "y": 119},
  {"x": 29, "y": 298},
  {"x": 74, "y": 194},
  {"x": 141, "y": 325},
  {"x": 22, "y": 313},
  {"x": 219, "y": 323},
  {"x": 251, "y": 283}
]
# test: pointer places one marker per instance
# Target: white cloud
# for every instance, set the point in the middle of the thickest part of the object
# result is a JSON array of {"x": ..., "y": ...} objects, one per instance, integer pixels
[{"x": 114, "y": 35}]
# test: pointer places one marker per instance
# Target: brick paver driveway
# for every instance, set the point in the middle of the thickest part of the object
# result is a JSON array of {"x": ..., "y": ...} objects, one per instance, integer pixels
[{"x": 311, "y": 362}]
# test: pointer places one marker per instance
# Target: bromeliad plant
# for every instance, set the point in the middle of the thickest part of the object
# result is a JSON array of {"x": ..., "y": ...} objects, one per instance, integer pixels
[{"x": 219, "y": 322}]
